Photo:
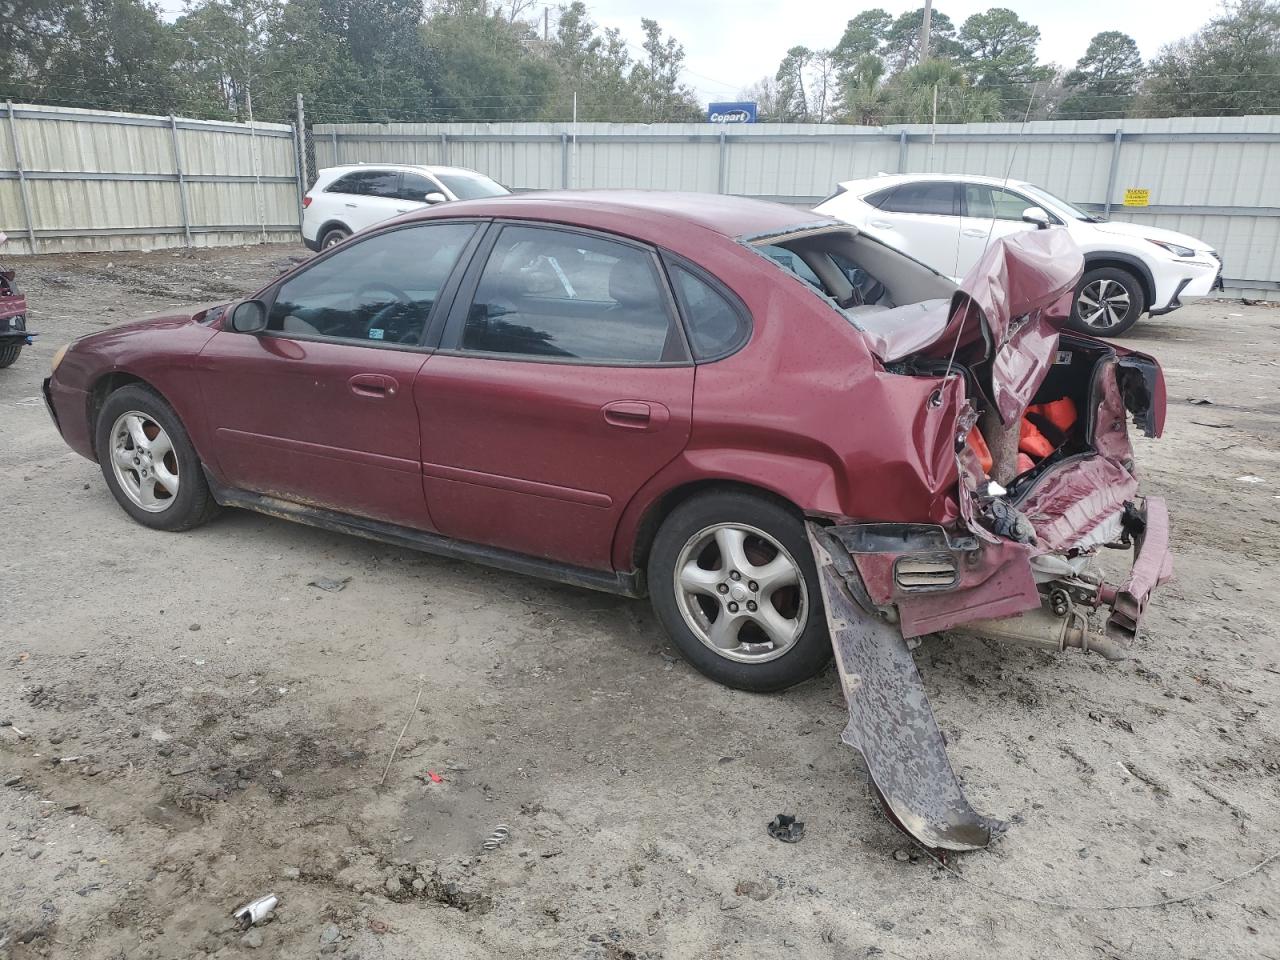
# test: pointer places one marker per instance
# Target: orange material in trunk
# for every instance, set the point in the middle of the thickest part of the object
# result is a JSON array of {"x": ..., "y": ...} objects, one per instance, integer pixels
[
  {"x": 1061, "y": 413},
  {"x": 1033, "y": 442},
  {"x": 979, "y": 446}
]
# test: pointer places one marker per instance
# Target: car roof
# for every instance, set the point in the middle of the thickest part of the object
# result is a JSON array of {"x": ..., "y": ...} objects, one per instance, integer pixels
[
  {"x": 414, "y": 167},
  {"x": 644, "y": 213},
  {"x": 893, "y": 179}
]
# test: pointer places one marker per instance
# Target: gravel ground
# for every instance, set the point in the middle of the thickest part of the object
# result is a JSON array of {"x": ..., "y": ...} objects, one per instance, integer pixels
[{"x": 199, "y": 727}]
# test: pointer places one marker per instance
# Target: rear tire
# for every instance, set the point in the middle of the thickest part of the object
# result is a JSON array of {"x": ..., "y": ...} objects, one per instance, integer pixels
[
  {"x": 333, "y": 237},
  {"x": 1108, "y": 302},
  {"x": 9, "y": 354},
  {"x": 149, "y": 463},
  {"x": 733, "y": 581}
]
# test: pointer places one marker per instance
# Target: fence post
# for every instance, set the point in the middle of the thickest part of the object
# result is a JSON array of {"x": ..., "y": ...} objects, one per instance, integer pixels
[
  {"x": 1115, "y": 170},
  {"x": 902, "y": 151},
  {"x": 182, "y": 179},
  {"x": 301, "y": 136},
  {"x": 444, "y": 149},
  {"x": 22, "y": 177},
  {"x": 724, "y": 159},
  {"x": 564, "y": 161},
  {"x": 333, "y": 139},
  {"x": 298, "y": 163}
]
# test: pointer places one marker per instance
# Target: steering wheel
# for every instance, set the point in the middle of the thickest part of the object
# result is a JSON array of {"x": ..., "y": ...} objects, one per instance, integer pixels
[{"x": 385, "y": 317}]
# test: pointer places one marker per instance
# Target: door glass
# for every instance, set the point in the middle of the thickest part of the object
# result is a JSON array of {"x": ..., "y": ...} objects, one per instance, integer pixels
[
  {"x": 551, "y": 293},
  {"x": 716, "y": 327},
  {"x": 992, "y": 203},
  {"x": 792, "y": 263},
  {"x": 378, "y": 290},
  {"x": 415, "y": 187},
  {"x": 368, "y": 183},
  {"x": 937, "y": 198}
]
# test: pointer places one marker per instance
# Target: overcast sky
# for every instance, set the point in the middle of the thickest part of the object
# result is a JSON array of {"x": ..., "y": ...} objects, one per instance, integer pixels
[{"x": 730, "y": 44}]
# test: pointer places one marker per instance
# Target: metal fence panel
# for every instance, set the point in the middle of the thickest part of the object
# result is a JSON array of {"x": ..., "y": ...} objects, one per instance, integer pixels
[
  {"x": 98, "y": 180},
  {"x": 1215, "y": 178}
]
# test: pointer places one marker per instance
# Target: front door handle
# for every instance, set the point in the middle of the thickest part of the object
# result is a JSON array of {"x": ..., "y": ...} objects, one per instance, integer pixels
[
  {"x": 635, "y": 414},
  {"x": 882, "y": 224},
  {"x": 351, "y": 205},
  {"x": 376, "y": 386},
  {"x": 974, "y": 232}
]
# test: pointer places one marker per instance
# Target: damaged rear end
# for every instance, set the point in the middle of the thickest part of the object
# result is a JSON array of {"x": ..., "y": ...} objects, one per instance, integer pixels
[{"x": 1044, "y": 481}]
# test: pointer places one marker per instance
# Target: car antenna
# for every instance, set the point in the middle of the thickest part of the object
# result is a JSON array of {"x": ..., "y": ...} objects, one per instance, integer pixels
[{"x": 1008, "y": 172}]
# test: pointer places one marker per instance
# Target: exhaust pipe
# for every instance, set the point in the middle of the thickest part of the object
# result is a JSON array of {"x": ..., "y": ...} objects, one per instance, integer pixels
[{"x": 1043, "y": 629}]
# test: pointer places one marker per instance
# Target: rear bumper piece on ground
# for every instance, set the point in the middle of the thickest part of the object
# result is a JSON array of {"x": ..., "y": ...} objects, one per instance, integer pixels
[
  {"x": 1152, "y": 566},
  {"x": 890, "y": 721}
]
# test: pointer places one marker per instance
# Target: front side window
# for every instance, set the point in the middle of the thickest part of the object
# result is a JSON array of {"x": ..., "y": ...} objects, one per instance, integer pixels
[
  {"x": 936, "y": 198},
  {"x": 379, "y": 290},
  {"x": 993, "y": 203},
  {"x": 472, "y": 186},
  {"x": 556, "y": 294},
  {"x": 415, "y": 187}
]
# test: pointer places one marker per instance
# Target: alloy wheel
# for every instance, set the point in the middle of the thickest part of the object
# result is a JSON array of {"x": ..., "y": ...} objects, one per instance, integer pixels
[
  {"x": 740, "y": 592},
  {"x": 144, "y": 461},
  {"x": 1103, "y": 304}
]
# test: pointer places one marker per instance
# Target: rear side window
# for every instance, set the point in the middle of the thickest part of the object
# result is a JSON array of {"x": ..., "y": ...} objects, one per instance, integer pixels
[
  {"x": 556, "y": 294},
  {"x": 368, "y": 183},
  {"x": 877, "y": 199},
  {"x": 937, "y": 198},
  {"x": 716, "y": 325}
]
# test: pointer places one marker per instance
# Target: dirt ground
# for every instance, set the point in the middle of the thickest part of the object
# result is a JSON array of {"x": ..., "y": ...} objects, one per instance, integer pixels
[{"x": 194, "y": 726}]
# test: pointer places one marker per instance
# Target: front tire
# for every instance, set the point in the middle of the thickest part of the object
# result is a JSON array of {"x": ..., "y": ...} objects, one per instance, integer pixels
[
  {"x": 1108, "y": 302},
  {"x": 733, "y": 581},
  {"x": 149, "y": 462},
  {"x": 9, "y": 354}
]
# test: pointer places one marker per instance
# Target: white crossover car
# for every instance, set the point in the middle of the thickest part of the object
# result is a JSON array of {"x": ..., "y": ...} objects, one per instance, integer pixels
[
  {"x": 947, "y": 221},
  {"x": 344, "y": 200}
]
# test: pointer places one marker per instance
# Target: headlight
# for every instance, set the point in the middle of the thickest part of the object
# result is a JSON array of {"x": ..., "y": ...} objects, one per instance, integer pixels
[
  {"x": 57, "y": 357},
  {"x": 1176, "y": 249}
]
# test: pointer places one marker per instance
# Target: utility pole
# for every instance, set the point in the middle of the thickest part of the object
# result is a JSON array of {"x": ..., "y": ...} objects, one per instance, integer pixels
[
  {"x": 546, "y": 24},
  {"x": 924, "y": 30}
]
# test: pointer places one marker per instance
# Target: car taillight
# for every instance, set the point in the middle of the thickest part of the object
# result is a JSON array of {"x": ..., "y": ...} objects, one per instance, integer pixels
[{"x": 306, "y": 201}]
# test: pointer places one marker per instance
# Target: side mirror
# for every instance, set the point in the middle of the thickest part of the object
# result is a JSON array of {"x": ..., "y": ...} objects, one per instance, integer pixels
[
  {"x": 435, "y": 197},
  {"x": 1037, "y": 216},
  {"x": 249, "y": 317}
]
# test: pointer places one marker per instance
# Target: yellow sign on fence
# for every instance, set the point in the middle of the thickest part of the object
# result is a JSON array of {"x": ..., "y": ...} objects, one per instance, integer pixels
[{"x": 1137, "y": 197}]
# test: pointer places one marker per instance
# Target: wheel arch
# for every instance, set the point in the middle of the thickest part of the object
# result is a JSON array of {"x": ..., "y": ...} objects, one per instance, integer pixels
[
  {"x": 640, "y": 524},
  {"x": 332, "y": 224},
  {"x": 1129, "y": 264}
]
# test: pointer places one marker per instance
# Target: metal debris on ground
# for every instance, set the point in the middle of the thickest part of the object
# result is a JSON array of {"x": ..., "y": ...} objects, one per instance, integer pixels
[
  {"x": 256, "y": 911},
  {"x": 329, "y": 585},
  {"x": 1199, "y": 401},
  {"x": 786, "y": 828},
  {"x": 496, "y": 839}
]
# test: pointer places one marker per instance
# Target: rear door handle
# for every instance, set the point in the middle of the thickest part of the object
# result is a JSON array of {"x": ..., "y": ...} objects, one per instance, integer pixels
[
  {"x": 635, "y": 414},
  {"x": 351, "y": 205},
  {"x": 377, "y": 386},
  {"x": 882, "y": 224}
]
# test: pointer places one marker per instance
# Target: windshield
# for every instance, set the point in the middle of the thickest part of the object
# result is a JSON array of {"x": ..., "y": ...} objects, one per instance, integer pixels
[
  {"x": 1045, "y": 196},
  {"x": 471, "y": 187}
]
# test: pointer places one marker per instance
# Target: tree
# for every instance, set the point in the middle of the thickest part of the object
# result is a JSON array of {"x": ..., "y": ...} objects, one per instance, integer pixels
[
  {"x": 764, "y": 94},
  {"x": 823, "y": 85},
  {"x": 1105, "y": 79},
  {"x": 657, "y": 78},
  {"x": 909, "y": 97},
  {"x": 862, "y": 95},
  {"x": 864, "y": 34},
  {"x": 1000, "y": 55},
  {"x": 1229, "y": 68},
  {"x": 901, "y": 47},
  {"x": 793, "y": 102}
]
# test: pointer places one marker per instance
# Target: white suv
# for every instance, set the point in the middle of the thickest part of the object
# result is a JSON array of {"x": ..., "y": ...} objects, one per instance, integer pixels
[
  {"x": 947, "y": 223},
  {"x": 346, "y": 199}
]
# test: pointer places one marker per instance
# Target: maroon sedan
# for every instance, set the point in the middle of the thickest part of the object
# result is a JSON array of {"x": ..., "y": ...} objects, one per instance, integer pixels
[{"x": 651, "y": 393}]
